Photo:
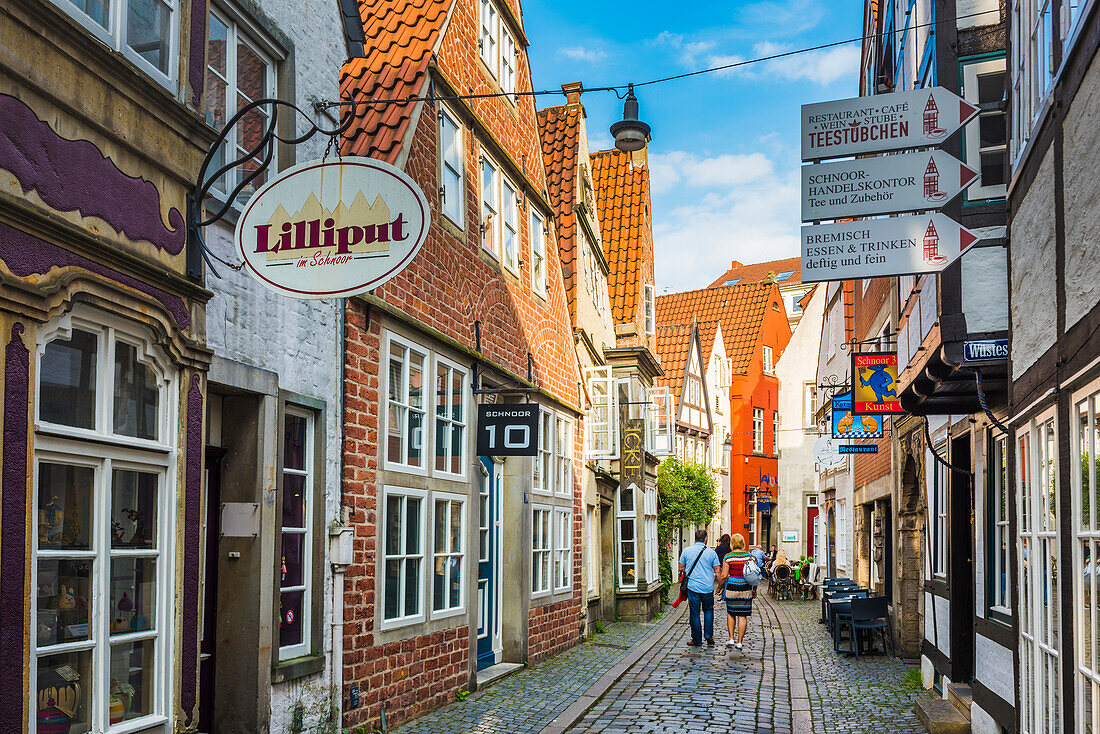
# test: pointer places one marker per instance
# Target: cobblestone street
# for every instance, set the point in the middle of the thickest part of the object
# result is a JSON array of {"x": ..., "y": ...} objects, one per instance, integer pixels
[{"x": 787, "y": 679}]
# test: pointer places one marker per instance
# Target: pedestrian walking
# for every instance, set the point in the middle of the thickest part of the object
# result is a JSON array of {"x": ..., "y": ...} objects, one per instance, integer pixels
[
  {"x": 737, "y": 592},
  {"x": 723, "y": 548},
  {"x": 700, "y": 564}
]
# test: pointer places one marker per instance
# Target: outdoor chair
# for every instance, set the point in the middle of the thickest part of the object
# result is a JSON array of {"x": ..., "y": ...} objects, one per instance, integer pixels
[
  {"x": 839, "y": 614},
  {"x": 868, "y": 615},
  {"x": 811, "y": 581},
  {"x": 782, "y": 577},
  {"x": 829, "y": 589}
]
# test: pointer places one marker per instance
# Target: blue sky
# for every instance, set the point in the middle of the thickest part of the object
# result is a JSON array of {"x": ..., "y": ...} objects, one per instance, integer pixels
[{"x": 724, "y": 156}]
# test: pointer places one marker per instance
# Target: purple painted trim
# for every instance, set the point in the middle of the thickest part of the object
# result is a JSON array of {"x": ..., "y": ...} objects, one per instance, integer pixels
[
  {"x": 196, "y": 66},
  {"x": 73, "y": 175},
  {"x": 189, "y": 653},
  {"x": 27, "y": 255},
  {"x": 13, "y": 541}
]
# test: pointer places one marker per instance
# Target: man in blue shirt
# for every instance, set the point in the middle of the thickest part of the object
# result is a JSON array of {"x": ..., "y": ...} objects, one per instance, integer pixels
[{"x": 701, "y": 564}]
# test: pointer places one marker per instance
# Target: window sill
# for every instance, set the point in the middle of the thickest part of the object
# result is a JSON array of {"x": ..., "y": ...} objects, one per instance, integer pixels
[{"x": 286, "y": 670}]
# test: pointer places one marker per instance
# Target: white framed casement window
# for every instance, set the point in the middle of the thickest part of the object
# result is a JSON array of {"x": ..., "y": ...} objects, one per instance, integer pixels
[
  {"x": 296, "y": 566},
  {"x": 809, "y": 405},
  {"x": 758, "y": 430},
  {"x": 649, "y": 518},
  {"x": 451, "y": 418},
  {"x": 627, "y": 542},
  {"x": 659, "y": 421},
  {"x": 489, "y": 40},
  {"x": 939, "y": 514},
  {"x": 1032, "y": 66},
  {"x": 103, "y": 556},
  {"x": 490, "y": 207},
  {"x": 563, "y": 456},
  {"x": 541, "y": 532},
  {"x": 999, "y": 588},
  {"x": 542, "y": 479},
  {"x": 775, "y": 432},
  {"x": 986, "y": 144},
  {"x": 509, "y": 225},
  {"x": 650, "y": 310},
  {"x": 239, "y": 70},
  {"x": 404, "y": 418},
  {"x": 602, "y": 424},
  {"x": 563, "y": 551},
  {"x": 592, "y": 560},
  {"x": 448, "y": 554},
  {"x": 508, "y": 54},
  {"x": 538, "y": 252},
  {"x": 452, "y": 168},
  {"x": 1084, "y": 443},
  {"x": 146, "y": 32},
  {"x": 769, "y": 365},
  {"x": 1038, "y": 564},
  {"x": 403, "y": 547}
]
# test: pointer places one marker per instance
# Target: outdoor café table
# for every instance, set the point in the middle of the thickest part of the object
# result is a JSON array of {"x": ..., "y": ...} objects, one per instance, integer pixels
[
  {"x": 838, "y": 606},
  {"x": 828, "y": 591}
]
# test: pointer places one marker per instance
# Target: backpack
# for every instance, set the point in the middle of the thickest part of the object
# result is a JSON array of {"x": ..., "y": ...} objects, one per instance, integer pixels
[{"x": 751, "y": 572}]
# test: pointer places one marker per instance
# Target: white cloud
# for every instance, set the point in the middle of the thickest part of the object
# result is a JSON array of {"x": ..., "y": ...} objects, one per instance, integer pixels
[
  {"x": 820, "y": 67},
  {"x": 583, "y": 53},
  {"x": 668, "y": 171}
]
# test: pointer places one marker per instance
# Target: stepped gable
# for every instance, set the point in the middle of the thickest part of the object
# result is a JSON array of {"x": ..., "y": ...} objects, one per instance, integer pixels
[
  {"x": 401, "y": 37},
  {"x": 626, "y": 226},
  {"x": 559, "y": 130},
  {"x": 739, "y": 308}
]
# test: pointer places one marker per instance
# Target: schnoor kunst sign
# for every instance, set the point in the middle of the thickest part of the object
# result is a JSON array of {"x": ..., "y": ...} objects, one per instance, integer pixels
[{"x": 330, "y": 229}]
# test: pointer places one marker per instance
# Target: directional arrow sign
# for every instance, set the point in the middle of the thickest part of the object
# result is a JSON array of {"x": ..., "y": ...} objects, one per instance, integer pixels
[
  {"x": 873, "y": 248},
  {"x": 882, "y": 185},
  {"x": 915, "y": 119}
]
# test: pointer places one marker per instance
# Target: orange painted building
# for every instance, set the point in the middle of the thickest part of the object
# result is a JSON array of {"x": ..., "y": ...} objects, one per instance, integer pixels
[{"x": 756, "y": 331}]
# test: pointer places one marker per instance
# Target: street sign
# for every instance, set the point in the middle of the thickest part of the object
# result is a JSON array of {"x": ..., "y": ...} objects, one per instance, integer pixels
[
  {"x": 918, "y": 118},
  {"x": 882, "y": 185},
  {"x": 985, "y": 350},
  {"x": 875, "y": 383},
  {"x": 508, "y": 429},
  {"x": 858, "y": 448},
  {"x": 789, "y": 536},
  {"x": 826, "y": 453},
  {"x": 872, "y": 248},
  {"x": 848, "y": 426}
]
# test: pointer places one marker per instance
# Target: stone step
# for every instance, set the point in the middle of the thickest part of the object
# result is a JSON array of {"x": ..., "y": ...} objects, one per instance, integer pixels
[
  {"x": 488, "y": 676},
  {"x": 961, "y": 696},
  {"x": 941, "y": 717}
]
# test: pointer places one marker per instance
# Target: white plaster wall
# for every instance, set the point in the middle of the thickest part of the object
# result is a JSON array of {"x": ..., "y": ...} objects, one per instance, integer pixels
[
  {"x": 985, "y": 289},
  {"x": 981, "y": 722},
  {"x": 1032, "y": 250},
  {"x": 943, "y": 624},
  {"x": 1082, "y": 199},
  {"x": 797, "y": 477},
  {"x": 993, "y": 667}
]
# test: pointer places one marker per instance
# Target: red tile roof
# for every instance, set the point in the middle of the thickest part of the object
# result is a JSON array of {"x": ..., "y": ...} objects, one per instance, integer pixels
[
  {"x": 401, "y": 36},
  {"x": 626, "y": 226},
  {"x": 739, "y": 308},
  {"x": 758, "y": 272},
  {"x": 559, "y": 129},
  {"x": 673, "y": 349}
]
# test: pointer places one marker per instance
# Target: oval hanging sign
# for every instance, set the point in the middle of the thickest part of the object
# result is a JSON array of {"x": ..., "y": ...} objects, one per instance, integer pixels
[{"x": 329, "y": 229}]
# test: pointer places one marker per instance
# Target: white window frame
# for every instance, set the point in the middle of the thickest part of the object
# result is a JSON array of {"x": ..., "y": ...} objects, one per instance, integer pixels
[
  {"x": 406, "y": 493},
  {"x": 114, "y": 36},
  {"x": 659, "y": 421},
  {"x": 1085, "y": 443},
  {"x": 562, "y": 562},
  {"x": 543, "y": 467},
  {"x": 650, "y": 310},
  {"x": 57, "y": 444},
  {"x": 758, "y": 430},
  {"x": 509, "y": 225},
  {"x": 541, "y": 550},
  {"x": 775, "y": 432},
  {"x": 649, "y": 515},
  {"x": 603, "y": 395},
  {"x": 939, "y": 515},
  {"x": 1032, "y": 68},
  {"x": 809, "y": 405},
  {"x": 769, "y": 364},
  {"x": 563, "y": 456},
  {"x": 593, "y": 558},
  {"x": 508, "y": 54},
  {"x": 447, "y": 554},
  {"x": 972, "y": 150},
  {"x": 498, "y": 46},
  {"x": 842, "y": 534},
  {"x": 452, "y": 150},
  {"x": 306, "y": 587},
  {"x": 624, "y": 516},
  {"x": 427, "y": 448},
  {"x": 1001, "y": 597},
  {"x": 491, "y": 215},
  {"x": 489, "y": 41},
  {"x": 538, "y": 252},
  {"x": 448, "y": 419}
]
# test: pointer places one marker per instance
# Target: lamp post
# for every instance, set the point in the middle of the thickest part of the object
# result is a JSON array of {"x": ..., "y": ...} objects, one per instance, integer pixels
[{"x": 630, "y": 133}]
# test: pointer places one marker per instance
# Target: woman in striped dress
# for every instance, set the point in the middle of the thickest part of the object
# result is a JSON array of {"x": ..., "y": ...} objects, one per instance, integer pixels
[{"x": 738, "y": 594}]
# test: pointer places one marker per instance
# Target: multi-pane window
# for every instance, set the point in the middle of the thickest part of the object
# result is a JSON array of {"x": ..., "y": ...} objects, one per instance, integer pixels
[
  {"x": 939, "y": 515},
  {"x": 145, "y": 31},
  {"x": 1000, "y": 594},
  {"x": 405, "y": 404},
  {"x": 649, "y": 510},
  {"x": 490, "y": 206},
  {"x": 986, "y": 142},
  {"x": 809, "y": 405},
  {"x": 403, "y": 555},
  {"x": 510, "y": 225},
  {"x": 296, "y": 567},
  {"x": 498, "y": 46},
  {"x": 593, "y": 549},
  {"x": 508, "y": 54},
  {"x": 563, "y": 549},
  {"x": 102, "y": 566},
  {"x": 775, "y": 432},
  {"x": 563, "y": 456},
  {"x": 758, "y": 430},
  {"x": 238, "y": 72},
  {"x": 450, "y": 418},
  {"x": 538, "y": 252},
  {"x": 650, "y": 310},
  {"x": 1032, "y": 65},
  {"x": 769, "y": 365},
  {"x": 659, "y": 422},
  {"x": 1086, "y": 491},
  {"x": 543, "y": 471},
  {"x": 453, "y": 170},
  {"x": 628, "y": 572},
  {"x": 448, "y": 551},
  {"x": 541, "y": 532}
]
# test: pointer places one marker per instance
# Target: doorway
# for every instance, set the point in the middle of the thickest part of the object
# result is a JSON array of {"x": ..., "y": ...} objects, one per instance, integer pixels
[
  {"x": 960, "y": 557},
  {"x": 811, "y": 525},
  {"x": 211, "y": 532},
  {"x": 489, "y": 646}
]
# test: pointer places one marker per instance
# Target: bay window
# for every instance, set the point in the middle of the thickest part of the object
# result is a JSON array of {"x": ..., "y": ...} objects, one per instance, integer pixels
[
  {"x": 649, "y": 509},
  {"x": 601, "y": 426},
  {"x": 625, "y": 513},
  {"x": 103, "y": 557},
  {"x": 403, "y": 555}
]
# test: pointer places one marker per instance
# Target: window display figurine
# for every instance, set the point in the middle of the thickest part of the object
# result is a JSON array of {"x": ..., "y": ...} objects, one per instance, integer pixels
[
  {"x": 137, "y": 526},
  {"x": 51, "y": 520}
]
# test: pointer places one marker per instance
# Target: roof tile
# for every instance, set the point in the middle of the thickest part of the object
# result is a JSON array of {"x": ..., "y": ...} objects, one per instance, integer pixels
[
  {"x": 559, "y": 129},
  {"x": 626, "y": 226},
  {"x": 758, "y": 272}
]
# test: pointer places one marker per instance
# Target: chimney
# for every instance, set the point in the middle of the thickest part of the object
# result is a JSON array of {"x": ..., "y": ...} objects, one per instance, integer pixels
[
  {"x": 572, "y": 92},
  {"x": 736, "y": 264}
]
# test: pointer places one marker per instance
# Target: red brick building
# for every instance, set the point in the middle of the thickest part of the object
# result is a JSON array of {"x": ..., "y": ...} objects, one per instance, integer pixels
[
  {"x": 479, "y": 316},
  {"x": 755, "y": 330}
]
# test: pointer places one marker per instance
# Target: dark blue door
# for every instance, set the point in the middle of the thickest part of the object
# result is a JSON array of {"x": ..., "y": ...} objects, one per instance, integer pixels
[{"x": 488, "y": 545}]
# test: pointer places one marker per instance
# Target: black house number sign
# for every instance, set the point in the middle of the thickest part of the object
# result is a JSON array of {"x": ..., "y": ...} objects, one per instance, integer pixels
[{"x": 508, "y": 429}]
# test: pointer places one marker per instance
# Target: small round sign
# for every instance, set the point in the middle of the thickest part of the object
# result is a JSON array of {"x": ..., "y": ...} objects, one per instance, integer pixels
[{"x": 332, "y": 228}]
